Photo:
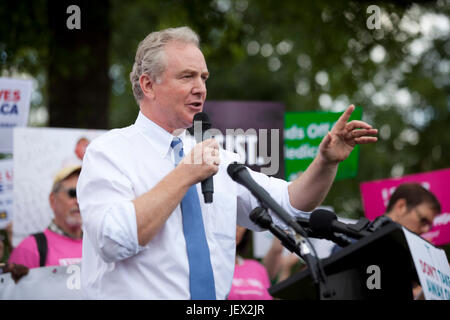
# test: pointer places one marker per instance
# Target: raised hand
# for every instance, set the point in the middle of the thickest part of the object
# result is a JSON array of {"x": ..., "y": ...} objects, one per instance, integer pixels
[{"x": 337, "y": 145}]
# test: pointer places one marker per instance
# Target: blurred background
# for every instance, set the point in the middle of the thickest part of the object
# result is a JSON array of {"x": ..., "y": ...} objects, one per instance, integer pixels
[{"x": 311, "y": 55}]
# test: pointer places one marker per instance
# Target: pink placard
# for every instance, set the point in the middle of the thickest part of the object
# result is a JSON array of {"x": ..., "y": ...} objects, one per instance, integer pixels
[{"x": 376, "y": 194}]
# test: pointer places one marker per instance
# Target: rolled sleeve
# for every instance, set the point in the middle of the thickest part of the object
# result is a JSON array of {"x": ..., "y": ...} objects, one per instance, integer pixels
[{"x": 105, "y": 197}]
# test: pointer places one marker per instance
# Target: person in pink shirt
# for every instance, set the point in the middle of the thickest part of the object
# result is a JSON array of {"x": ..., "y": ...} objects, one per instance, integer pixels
[
  {"x": 250, "y": 279},
  {"x": 61, "y": 243}
]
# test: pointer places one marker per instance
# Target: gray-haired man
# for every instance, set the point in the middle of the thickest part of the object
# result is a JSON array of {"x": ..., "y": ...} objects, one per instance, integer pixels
[{"x": 146, "y": 231}]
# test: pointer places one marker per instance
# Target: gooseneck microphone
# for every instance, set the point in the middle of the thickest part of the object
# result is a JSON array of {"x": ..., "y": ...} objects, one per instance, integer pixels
[
  {"x": 239, "y": 173},
  {"x": 207, "y": 184},
  {"x": 325, "y": 223},
  {"x": 261, "y": 218}
]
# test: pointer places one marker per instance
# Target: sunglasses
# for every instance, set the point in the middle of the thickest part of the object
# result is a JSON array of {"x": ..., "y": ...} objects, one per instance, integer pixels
[
  {"x": 423, "y": 220},
  {"x": 71, "y": 192}
]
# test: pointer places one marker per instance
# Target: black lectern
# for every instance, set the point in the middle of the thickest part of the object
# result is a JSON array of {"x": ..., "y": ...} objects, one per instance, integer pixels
[{"x": 349, "y": 273}]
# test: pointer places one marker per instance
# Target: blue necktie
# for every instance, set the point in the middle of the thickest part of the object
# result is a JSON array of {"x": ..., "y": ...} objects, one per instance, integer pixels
[{"x": 201, "y": 278}]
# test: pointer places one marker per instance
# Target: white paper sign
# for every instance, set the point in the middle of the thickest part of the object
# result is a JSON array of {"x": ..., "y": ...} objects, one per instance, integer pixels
[
  {"x": 432, "y": 267},
  {"x": 15, "y": 96},
  {"x": 46, "y": 283},
  {"x": 6, "y": 192},
  {"x": 39, "y": 153}
]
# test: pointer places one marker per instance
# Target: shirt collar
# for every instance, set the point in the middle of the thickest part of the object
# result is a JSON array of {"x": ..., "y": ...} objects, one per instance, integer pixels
[
  {"x": 158, "y": 137},
  {"x": 56, "y": 229}
]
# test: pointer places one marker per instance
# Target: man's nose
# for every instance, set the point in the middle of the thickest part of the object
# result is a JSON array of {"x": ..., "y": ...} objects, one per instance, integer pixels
[{"x": 199, "y": 86}]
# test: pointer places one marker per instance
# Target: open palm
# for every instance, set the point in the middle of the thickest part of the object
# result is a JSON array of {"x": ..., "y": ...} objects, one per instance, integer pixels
[{"x": 337, "y": 145}]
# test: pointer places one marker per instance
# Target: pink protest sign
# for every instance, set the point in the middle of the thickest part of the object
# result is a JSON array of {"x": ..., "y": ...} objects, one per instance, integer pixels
[{"x": 376, "y": 194}]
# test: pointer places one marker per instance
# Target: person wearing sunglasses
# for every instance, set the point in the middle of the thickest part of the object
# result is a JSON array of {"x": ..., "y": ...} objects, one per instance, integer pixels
[{"x": 61, "y": 242}]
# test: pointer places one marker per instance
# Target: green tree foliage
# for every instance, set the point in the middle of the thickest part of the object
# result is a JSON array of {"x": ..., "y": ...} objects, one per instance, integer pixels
[
  {"x": 317, "y": 55},
  {"x": 314, "y": 56},
  {"x": 70, "y": 65}
]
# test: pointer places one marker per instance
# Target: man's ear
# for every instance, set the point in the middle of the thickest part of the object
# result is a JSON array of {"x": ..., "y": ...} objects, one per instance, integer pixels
[
  {"x": 400, "y": 207},
  {"x": 147, "y": 86},
  {"x": 52, "y": 200}
]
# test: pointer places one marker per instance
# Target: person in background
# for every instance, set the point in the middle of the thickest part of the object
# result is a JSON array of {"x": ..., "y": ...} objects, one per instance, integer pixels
[
  {"x": 278, "y": 265},
  {"x": 5, "y": 242},
  {"x": 61, "y": 242},
  {"x": 411, "y": 205},
  {"x": 80, "y": 147},
  {"x": 414, "y": 207},
  {"x": 250, "y": 279},
  {"x": 17, "y": 271},
  {"x": 2, "y": 248}
]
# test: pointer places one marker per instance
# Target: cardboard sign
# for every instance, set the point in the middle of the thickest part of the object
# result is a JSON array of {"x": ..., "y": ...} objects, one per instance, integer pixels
[
  {"x": 39, "y": 153},
  {"x": 15, "y": 98},
  {"x": 302, "y": 135},
  {"x": 6, "y": 192},
  {"x": 376, "y": 195},
  {"x": 46, "y": 283},
  {"x": 432, "y": 267}
]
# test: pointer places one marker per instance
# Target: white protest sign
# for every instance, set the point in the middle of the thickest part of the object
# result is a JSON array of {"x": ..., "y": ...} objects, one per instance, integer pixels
[
  {"x": 46, "y": 283},
  {"x": 6, "y": 192},
  {"x": 15, "y": 96},
  {"x": 39, "y": 153},
  {"x": 432, "y": 267}
]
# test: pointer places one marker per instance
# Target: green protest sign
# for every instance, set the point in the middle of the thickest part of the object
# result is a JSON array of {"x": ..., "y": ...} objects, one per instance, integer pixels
[{"x": 303, "y": 132}]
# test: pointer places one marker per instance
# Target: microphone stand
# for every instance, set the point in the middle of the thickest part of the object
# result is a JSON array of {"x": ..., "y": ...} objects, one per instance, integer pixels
[
  {"x": 260, "y": 216},
  {"x": 300, "y": 246},
  {"x": 307, "y": 251}
]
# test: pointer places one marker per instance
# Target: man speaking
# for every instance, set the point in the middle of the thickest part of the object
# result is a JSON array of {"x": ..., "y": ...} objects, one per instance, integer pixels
[{"x": 148, "y": 234}]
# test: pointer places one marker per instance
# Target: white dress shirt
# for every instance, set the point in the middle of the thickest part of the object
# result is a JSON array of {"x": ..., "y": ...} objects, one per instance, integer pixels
[{"x": 123, "y": 164}]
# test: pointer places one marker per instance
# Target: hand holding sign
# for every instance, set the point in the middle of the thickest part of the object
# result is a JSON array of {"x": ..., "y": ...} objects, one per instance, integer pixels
[{"x": 344, "y": 136}]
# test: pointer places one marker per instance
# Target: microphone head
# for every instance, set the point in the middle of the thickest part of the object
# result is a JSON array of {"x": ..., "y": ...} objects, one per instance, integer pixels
[
  {"x": 321, "y": 221},
  {"x": 260, "y": 217},
  {"x": 204, "y": 119},
  {"x": 234, "y": 168}
]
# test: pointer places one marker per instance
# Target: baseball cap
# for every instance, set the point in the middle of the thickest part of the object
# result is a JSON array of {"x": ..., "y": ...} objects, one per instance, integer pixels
[{"x": 65, "y": 172}]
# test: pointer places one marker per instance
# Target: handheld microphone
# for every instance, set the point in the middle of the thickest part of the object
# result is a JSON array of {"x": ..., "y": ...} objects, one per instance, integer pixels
[{"x": 207, "y": 184}]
